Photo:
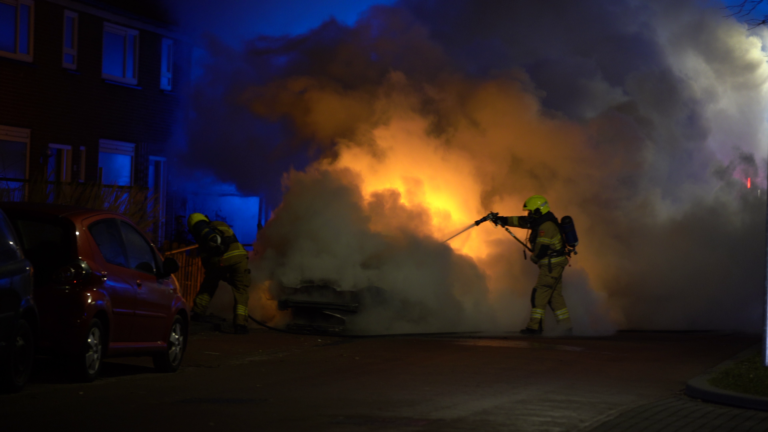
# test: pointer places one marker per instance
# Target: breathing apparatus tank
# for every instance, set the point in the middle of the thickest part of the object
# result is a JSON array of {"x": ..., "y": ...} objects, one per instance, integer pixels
[{"x": 568, "y": 229}]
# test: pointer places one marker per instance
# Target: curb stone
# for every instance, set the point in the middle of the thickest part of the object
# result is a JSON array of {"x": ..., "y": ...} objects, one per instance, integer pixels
[{"x": 700, "y": 388}]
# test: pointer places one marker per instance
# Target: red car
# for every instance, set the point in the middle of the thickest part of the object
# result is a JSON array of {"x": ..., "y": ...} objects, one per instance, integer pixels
[{"x": 101, "y": 288}]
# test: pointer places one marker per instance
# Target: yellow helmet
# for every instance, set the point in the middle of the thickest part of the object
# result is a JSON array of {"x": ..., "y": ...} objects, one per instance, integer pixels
[
  {"x": 537, "y": 205},
  {"x": 195, "y": 218}
]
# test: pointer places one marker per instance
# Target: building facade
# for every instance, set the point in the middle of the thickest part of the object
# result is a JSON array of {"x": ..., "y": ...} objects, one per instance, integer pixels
[{"x": 88, "y": 92}]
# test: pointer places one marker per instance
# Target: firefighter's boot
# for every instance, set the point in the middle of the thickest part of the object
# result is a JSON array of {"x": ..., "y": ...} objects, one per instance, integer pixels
[
  {"x": 239, "y": 277},
  {"x": 530, "y": 332}
]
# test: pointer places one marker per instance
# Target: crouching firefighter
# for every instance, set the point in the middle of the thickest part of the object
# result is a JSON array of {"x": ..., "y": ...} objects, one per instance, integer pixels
[
  {"x": 549, "y": 253},
  {"x": 224, "y": 259}
]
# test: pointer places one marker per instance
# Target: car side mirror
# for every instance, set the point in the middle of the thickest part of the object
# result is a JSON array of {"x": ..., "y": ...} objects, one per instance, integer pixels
[
  {"x": 145, "y": 267},
  {"x": 170, "y": 266}
]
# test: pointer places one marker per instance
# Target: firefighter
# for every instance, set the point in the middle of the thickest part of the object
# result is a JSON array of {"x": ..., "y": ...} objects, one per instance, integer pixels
[
  {"x": 224, "y": 259},
  {"x": 549, "y": 254}
]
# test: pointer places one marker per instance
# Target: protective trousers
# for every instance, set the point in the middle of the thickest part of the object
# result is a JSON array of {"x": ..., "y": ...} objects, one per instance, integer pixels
[
  {"x": 238, "y": 276},
  {"x": 549, "y": 290}
]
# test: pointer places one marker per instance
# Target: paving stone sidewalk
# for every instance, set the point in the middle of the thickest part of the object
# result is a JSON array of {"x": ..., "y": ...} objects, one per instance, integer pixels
[{"x": 684, "y": 414}]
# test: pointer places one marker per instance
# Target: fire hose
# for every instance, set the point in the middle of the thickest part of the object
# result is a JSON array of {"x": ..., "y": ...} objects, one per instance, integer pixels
[
  {"x": 348, "y": 335},
  {"x": 493, "y": 218}
]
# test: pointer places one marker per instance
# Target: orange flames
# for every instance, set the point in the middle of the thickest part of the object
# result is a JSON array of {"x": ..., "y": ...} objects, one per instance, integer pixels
[{"x": 428, "y": 177}]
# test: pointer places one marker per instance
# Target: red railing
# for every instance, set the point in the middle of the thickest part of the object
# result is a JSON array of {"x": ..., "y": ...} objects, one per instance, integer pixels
[{"x": 190, "y": 273}]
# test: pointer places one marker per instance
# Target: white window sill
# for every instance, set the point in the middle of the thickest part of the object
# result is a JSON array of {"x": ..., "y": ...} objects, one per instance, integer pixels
[
  {"x": 121, "y": 84},
  {"x": 121, "y": 80},
  {"x": 21, "y": 57}
]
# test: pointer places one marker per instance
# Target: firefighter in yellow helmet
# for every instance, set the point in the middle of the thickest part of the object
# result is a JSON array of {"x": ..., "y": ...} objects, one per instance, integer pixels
[
  {"x": 549, "y": 254},
  {"x": 224, "y": 259}
]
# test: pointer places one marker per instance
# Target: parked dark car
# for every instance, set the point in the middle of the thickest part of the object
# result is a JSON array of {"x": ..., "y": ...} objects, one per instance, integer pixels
[
  {"x": 18, "y": 316},
  {"x": 101, "y": 287}
]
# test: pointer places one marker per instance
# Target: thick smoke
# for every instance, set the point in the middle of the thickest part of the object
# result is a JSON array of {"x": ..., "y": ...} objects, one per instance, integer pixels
[{"x": 642, "y": 120}]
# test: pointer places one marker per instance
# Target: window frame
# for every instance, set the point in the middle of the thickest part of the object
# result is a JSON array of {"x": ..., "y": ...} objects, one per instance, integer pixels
[
  {"x": 9, "y": 133},
  {"x": 72, "y": 51},
  {"x": 81, "y": 167},
  {"x": 66, "y": 163},
  {"x": 118, "y": 147},
  {"x": 17, "y": 55},
  {"x": 124, "y": 31},
  {"x": 166, "y": 64}
]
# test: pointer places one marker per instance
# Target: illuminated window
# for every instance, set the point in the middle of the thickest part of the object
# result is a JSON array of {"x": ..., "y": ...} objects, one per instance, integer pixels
[
  {"x": 16, "y": 29},
  {"x": 116, "y": 163},
  {"x": 14, "y": 160},
  {"x": 120, "y": 54},
  {"x": 69, "y": 50},
  {"x": 166, "y": 72}
]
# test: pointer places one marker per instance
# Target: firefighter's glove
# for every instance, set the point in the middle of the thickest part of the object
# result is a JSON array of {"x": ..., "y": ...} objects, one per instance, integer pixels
[
  {"x": 214, "y": 245},
  {"x": 493, "y": 217}
]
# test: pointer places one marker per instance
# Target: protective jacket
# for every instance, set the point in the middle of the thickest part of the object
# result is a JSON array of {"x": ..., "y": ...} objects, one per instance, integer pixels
[
  {"x": 218, "y": 244},
  {"x": 224, "y": 259},
  {"x": 545, "y": 238},
  {"x": 549, "y": 253}
]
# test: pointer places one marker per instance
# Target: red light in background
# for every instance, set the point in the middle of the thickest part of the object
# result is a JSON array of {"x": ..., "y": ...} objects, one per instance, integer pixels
[{"x": 749, "y": 182}]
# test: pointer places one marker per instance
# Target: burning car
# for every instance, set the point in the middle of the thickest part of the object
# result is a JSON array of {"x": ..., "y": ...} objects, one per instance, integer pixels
[{"x": 322, "y": 307}]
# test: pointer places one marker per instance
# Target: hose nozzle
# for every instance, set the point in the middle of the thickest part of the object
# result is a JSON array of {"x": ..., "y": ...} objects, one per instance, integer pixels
[{"x": 493, "y": 217}]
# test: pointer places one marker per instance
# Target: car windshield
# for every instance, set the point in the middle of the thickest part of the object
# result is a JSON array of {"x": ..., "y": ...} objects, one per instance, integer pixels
[
  {"x": 8, "y": 251},
  {"x": 47, "y": 243}
]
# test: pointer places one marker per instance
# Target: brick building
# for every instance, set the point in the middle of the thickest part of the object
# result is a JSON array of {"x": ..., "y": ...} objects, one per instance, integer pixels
[{"x": 89, "y": 92}]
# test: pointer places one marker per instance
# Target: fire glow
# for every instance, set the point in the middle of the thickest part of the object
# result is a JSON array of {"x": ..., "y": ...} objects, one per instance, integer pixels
[
  {"x": 428, "y": 177},
  {"x": 413, "y": 157}
]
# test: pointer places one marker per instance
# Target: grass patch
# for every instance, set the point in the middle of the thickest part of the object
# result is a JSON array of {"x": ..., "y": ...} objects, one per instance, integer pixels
[{"x": 746, "y": 376}]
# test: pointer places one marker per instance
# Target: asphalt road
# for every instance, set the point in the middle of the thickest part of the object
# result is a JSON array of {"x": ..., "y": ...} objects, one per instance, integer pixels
[{"x": 270, "y": 381}]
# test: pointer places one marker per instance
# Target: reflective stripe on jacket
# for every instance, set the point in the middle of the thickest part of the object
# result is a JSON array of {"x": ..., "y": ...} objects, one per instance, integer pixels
[{"x": 549, "y": 234}]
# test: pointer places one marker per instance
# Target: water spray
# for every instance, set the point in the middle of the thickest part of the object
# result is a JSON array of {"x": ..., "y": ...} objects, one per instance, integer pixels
[
  {"x": 472, "y": 225},
  {"x": 494, "y": 218}
]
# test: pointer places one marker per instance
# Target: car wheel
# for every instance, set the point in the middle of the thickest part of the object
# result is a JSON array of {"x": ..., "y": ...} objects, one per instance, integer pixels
[
  {"x": 87, "y": 364},
  {"x": 17, "y": 366},
  {"x": 170, "y": 359}
]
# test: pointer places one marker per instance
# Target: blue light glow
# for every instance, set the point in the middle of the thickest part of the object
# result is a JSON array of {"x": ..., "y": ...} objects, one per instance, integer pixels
[
  {"x": 7, "y": 28},
  {"x": 113, "y": 62},
  {"x": 115, "y": 168},
  {"x": 239, "y": 212}
]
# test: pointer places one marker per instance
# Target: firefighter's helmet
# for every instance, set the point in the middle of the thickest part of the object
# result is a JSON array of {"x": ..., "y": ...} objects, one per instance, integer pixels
[
  {"x": 537, "y": 205},
  {"x": 195, "y": 218}
]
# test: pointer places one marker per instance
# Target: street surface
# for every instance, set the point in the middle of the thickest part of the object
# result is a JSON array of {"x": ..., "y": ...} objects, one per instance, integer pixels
[{"x": 271, "y": 381}]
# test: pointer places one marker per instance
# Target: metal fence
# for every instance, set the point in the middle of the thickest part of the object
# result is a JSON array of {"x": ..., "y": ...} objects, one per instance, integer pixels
[{"x": 190, "y": 273}]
